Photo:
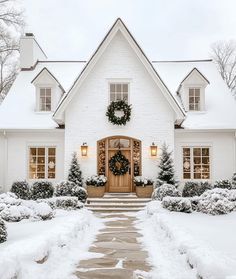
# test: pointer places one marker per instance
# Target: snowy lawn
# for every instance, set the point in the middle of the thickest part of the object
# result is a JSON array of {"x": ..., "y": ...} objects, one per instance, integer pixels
[
  {"x": 177, "y": 241},
  {"x": 48, "y": 249}
]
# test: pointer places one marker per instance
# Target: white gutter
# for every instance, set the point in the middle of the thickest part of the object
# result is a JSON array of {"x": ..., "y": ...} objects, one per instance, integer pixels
[{"x": 5, "y": 161}]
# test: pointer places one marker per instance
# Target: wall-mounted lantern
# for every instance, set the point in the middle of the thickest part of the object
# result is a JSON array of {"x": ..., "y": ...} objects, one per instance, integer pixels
[
  {"x": 153, "y": 149},
  {"x": 84, "y": 149}
]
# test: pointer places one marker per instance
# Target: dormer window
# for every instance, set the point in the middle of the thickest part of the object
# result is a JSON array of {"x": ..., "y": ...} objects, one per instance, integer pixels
[
  {"x": 119, "y": 92},
  {"x": 194, "y": 99},
  {"x": 45, "y": 99}
]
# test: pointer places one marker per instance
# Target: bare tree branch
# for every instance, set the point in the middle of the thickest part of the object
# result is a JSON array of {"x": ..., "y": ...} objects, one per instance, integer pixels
[
  {"x": 224, "y": 54},
  {"x": 10, "y": 19}
]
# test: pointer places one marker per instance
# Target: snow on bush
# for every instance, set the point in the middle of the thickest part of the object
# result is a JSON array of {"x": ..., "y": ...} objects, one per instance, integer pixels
[
  {"x": 68, "y": 188},
  {"x": 80, "y": 193},
  {"x": 13, "y": 209},
  {"x": 192, "y": 189},
  {"x": 21, "y": 189},
  {"x": 142, "y": 181},
  {"x": 177, "y": 204},
  {"x": 223, "y": 184},
  {"x": 96, "y": 180},
  {"x": 158, "y": 183},
  {"x": 64, "y": 188},
  {"x": 216, "y": 202},
  {"x": 234, "y": 181},
  {"x": 40, "y": 210},
  {"x": 3, "y": 231},
  {"x": 15, "y": 213},
  {"x": 194, "y": 202},
  {"x": 42, "y": 190},
  {"x": 9, "y": 199},
  {"x": 65, "y": 202},
  {"x": 165, "y": 190}
]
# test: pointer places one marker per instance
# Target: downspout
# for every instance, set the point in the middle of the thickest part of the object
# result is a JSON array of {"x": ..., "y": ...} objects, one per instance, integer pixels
[{"x": 5, "y": 161}]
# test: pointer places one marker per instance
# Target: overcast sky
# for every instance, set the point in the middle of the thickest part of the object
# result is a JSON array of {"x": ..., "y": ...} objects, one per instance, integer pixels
[{"x": 165, "y": 29}]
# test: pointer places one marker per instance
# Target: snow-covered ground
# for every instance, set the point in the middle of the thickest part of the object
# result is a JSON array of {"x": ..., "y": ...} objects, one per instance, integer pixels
[
  {"x": 176, "y": 241},
  {"x": 60, "y": 243}
]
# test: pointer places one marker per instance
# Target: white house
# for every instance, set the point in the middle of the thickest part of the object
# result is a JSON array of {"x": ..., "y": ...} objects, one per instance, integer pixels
[{"x": 54, "y": 107}]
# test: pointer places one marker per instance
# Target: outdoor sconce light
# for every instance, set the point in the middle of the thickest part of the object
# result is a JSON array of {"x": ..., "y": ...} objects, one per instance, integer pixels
[
  {"x": 84, "y": 149},
  {"x": 153, "y": 149}
]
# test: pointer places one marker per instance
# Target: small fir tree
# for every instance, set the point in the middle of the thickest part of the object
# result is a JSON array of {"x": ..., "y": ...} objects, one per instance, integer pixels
[
  {"x": 166, "y": 173},
  {"x": 75, "y": 174}
]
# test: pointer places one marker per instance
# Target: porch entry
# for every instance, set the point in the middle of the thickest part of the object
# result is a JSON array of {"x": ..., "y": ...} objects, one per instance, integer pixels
[{"x": 128, "y": 147}]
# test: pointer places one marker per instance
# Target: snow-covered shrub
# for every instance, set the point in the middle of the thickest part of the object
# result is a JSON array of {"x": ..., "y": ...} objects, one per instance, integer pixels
[
  {"x": 216, "y": 202},
  {"x": 234, "y": 181},
  {"x": 232, "y": 195},
  {"x": 65, "y": 202},
  {"x": 96, "y": 180},
  {"x": 42, "y": 190},
  {"x": 192, "y": 189},
  {"x": 80, "y": 193},
  {"x": 9, "y": 199},
  {"x": 165, "y": 190},
  {"x": 142, "y": 181},
  {"x": 21, "y": 189},
  {"x": 3, "y": 231},
  {"x": 223, "y": 184},
  {"x": 177, "y": 204},
  {"x": 64, "y": 188},
  {"x": 194, "y": 202},
  {"x": 15, "y": 213},
  {"x": 158, "y": 183},
  {"x": 43, "y": 211}
]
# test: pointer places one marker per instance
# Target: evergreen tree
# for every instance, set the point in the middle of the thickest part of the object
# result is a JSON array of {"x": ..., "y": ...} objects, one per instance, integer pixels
[
  {"x": 234, "y": 181},
  {"x": 75, "y": 174},
  {"x": 166, "y": 173}
]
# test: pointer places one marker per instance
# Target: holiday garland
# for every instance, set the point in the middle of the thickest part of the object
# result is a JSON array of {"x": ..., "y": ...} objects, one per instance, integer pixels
[
  {"x": 119, "y": 164},
  {"x": 118, "y": 106}
]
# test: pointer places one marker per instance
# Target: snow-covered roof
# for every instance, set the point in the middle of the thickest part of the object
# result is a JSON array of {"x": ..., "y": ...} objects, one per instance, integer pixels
[
  {"x": 18, "y": 108},
  {"x": 220, "y": 106}
]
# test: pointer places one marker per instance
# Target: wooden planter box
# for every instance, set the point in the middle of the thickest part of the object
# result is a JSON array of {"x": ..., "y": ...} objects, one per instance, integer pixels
[
  {"x": 95, "y": 192},
  {"x": 144, "y": 192}
]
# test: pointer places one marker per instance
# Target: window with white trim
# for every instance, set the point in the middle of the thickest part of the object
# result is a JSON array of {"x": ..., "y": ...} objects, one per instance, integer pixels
[
  {"x": 196, "y": 163},
  {"x": 194, "y": 99},
  {"x": 45, "y": 99},
  {"x": 42, "y": 162},
  {"x": 119, "y": 91}
]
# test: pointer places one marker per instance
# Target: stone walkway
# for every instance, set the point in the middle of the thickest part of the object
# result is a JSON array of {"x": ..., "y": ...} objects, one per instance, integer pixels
[{"x": 122, "y": 255}]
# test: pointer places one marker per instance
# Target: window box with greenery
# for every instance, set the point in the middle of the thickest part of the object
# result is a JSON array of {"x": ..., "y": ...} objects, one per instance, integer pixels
[
  {"x": 96, "y": 186},
  {"x": 144, "y": 187}
]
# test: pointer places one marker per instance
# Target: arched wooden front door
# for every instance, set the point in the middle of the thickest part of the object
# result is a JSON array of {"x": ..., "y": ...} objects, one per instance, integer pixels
[{"x": 131, "y": 149}]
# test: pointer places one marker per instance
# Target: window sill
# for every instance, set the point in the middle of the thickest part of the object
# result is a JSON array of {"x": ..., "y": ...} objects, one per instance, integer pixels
[
  {"x": 43, "y": 112},
  {"x": 196, "y": 112}
]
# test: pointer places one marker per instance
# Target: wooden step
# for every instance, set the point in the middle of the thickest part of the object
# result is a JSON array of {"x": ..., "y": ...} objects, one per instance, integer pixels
[{"x": 116, "y": 205}]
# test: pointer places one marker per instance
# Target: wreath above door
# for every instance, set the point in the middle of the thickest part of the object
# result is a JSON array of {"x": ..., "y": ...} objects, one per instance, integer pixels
[{"x": 118, "y": 106}]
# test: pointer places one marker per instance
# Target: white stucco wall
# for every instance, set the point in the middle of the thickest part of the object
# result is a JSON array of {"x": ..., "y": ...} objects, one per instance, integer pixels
[
  {"x": 85, "y": 121},
  {"x": 14, "y": 154},
  {"x": 222, "y": 151}
]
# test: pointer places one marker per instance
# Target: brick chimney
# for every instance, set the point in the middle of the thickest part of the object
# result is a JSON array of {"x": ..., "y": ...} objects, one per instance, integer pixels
[{"x": 30, "y": 51}]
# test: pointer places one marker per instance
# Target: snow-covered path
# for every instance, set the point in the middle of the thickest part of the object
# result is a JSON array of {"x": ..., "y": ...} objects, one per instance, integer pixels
[
  {"x": 165, "y": 258},
  {"x": 48, "y": 249}
]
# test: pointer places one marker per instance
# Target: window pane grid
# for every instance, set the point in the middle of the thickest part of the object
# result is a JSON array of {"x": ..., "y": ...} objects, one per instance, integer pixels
[
  {"x": 194, "y": 99},
  {"x": 196, "y": 163},
  {"x": 42, "y": 162},
  {"x": 45, "y": 99},
  {"x": 118, "y": 92}
]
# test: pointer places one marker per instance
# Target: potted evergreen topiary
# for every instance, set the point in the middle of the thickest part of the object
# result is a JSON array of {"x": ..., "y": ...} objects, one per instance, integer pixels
[
  {"x": 96, "y": 186},
  {"x": 144, "y": 186}
]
